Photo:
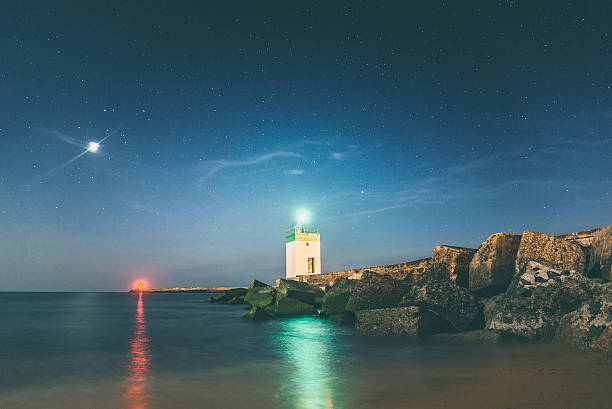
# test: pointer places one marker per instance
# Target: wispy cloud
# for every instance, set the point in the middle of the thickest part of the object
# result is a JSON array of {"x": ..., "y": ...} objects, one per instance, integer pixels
[
  {"x": 219, "y": 165},
  {"x": 338, "y": 156},
  {"x": 468, "y": 165},
  {"x": 364, "y": 213},
  {"x": 423, "y": 192},
  {"x": 296, "y": 171}
]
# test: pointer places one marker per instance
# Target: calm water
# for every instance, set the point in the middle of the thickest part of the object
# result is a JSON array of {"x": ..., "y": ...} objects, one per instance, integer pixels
[{"x": 104, "y": 350}]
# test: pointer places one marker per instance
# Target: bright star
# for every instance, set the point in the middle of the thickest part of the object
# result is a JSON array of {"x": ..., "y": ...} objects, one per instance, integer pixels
[{"x": 93, "y": 147}]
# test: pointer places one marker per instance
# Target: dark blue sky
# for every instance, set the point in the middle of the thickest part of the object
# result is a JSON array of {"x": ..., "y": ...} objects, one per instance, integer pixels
[{"x": 398, "y": 126}]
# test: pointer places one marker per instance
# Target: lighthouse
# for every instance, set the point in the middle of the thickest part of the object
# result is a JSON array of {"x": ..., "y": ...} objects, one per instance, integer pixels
[{"x": 303, "y": 250}]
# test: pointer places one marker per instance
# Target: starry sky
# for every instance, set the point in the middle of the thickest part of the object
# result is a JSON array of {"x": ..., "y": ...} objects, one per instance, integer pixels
[{"x": 397, "y": 125}]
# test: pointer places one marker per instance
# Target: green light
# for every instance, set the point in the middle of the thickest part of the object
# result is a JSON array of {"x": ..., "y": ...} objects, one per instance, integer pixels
[{"x": 303, "y": 215}]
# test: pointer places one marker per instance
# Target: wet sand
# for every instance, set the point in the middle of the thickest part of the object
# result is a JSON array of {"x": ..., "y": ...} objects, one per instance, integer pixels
[{"x": 559, "y": 378}]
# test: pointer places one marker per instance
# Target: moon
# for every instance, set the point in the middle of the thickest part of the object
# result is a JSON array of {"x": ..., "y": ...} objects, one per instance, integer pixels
[{"x": 93, "y": 147}]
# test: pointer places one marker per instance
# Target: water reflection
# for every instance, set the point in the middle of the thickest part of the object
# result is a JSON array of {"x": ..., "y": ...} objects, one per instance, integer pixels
[
  {"x": 307, "y": 346},
  {"x": 139, "y": 359}
]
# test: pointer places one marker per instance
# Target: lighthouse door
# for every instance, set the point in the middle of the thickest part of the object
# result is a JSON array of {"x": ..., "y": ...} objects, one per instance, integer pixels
[{"x": 311, "y": 265}]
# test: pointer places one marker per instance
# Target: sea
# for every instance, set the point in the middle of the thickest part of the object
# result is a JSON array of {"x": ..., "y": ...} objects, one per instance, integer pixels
[{"x": 146, "y": 351}]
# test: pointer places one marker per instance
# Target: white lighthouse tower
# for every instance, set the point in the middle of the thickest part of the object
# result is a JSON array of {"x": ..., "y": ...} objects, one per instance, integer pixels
[{"x": 303, "y": 250}]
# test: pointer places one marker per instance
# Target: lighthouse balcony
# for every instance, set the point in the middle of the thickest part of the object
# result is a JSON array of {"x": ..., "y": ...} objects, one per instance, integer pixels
[{"x": 300, "y": 228}]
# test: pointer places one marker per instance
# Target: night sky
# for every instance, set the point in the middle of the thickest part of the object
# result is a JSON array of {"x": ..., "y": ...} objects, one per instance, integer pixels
[{"x": 397, "y": 126}]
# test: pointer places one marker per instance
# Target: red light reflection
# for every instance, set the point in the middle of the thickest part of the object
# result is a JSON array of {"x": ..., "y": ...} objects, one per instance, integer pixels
[{"x": 136, "y": 382}]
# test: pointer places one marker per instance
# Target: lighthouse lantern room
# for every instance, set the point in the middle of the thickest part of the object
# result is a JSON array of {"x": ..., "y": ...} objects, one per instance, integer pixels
[{"x": 303, "y": 250}]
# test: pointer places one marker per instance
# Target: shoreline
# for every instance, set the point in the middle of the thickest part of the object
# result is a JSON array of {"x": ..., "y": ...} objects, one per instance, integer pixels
[{"x": 185, "y": 290}]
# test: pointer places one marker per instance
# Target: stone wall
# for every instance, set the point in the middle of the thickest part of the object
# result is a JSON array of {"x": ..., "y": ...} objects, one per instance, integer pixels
[
  {"x": 399, "y": 271},
  {"x": 582, "y": 238}
]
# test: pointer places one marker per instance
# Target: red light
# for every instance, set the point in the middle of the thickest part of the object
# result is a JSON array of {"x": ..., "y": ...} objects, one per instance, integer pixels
[{"x": 140, "y": 284}]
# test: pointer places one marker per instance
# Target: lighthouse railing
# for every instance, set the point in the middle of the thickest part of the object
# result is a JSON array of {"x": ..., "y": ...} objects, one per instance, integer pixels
[{"x": 303, "y": 229}]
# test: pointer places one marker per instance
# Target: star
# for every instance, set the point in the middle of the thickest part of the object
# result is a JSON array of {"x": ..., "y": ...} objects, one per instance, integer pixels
[{"x": 93, "y": 147}]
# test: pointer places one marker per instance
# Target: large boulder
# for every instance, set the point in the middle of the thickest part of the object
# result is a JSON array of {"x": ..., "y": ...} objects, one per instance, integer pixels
[
  {"x": 600, "y": 262},
  {"x": 298, "y": 290},
  {"x": 550, "y": 251},
  {"x": 257, "y": 283},
  {"x": 292, "y": 307},
  {"x": 589, "y": 327},
  {"x": 538, "y": 298},
  {"x": 337, "y": 296},
  {"x": 375, "y": 291},
  {"x": 492, "y": 267},
  {"x": 446, "y": 299},
  {"x": 456, "y": 260},
  {"x": 295, "y": 298},
  {"x": 403, "y": 321},
  {"x": 258, "y": 314},
  {"x": 260, "y": 296}
]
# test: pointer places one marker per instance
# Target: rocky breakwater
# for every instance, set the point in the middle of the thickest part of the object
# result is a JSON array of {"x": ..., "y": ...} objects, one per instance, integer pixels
[{"x": 532, "y": 287}]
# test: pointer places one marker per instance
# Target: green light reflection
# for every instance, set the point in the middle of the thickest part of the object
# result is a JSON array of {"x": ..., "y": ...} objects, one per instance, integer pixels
[{"x": 307, "y": 345}]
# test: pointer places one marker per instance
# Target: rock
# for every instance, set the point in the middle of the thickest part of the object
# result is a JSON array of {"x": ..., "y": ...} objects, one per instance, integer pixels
[
  {"x": 402, "y": 321},
  {"x": 295, "y": 298},
  {"x": 303, "y": 292},
  {"x": 260, "y": 296},
  {"x": 258, "y": 314},
  {"x": 257, "y": 283},
  {"x": 237, "y": 300},
  {"x": 483, "y": 336},
  {"x": 488, "y": 307},
  {"x": 600, "y": 262},
  {"x": 375, "y": 291},
  {"x": 291, "y": 307},
  {"x": 233, "y": 296},
  {"x": 214, "y": 298},
  {"x": 446, "y": 299},
  {"x": 536, "y": 300},
  {"x": 457, "y": 261},
  {"x": 589, "y": 327},
  {"x": 335, "y": 299},
  {"x": 550, "y": 251},
  {"x": 346, "y": 318},
  {"x": 492, "y": 267}
]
